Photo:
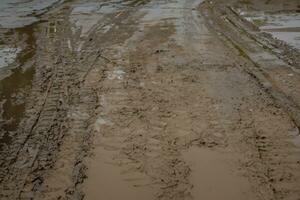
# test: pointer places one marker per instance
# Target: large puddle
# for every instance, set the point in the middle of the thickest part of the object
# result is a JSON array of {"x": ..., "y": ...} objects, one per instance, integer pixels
[
  {"x": 213, "y": 177},
  {"x": 114, "y": 183},
  {"x": 283, "y": 26},
  {"x": 14, "y": 88},
  {"x": 20, "y": 13},
  {"x": 18, "y": 18},
  {"x": 86, "y": 15}
]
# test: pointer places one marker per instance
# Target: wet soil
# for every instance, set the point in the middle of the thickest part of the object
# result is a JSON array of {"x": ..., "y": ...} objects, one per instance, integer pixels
[
  {"x": 167, "y": 100},
  {"x": 15, "y": 85}
]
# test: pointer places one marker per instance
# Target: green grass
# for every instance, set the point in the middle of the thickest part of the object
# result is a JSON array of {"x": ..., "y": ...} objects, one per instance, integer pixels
[{"x": 260, "y": 22}]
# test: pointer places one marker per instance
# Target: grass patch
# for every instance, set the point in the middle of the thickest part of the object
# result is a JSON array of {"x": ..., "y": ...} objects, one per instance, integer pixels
[{"x": 260, "y": 22}]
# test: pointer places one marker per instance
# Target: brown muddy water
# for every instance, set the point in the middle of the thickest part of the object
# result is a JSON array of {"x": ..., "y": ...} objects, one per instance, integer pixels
[
  {"x": 13, "y": 88},
  {"x": 18, "y": 20},
  {"x": 130, "y": 101},
  {"x": 213, "y": 178},
  {"x": 114, "y": 179}
]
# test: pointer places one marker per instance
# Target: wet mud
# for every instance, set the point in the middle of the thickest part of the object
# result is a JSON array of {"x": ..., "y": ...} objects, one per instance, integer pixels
[
  {"x": 158, "y": 100},
  {"x": 16, "y": 86}
]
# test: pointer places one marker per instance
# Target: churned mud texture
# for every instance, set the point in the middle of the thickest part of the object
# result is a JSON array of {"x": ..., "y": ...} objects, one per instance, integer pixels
[{"x": 153, "y": 100}]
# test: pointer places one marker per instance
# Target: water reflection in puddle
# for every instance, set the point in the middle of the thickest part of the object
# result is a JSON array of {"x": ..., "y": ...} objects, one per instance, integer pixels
[
  {"x": 296, "y": 141},
  {"x": 283, "y": 26},
  {"x": 294, "y": 137},
  {"x": 16, "y": 13},
  {"x": 86, "y": 15},
  {"x": 13, "y": 88},
  {"x": 7, "y": 55}
]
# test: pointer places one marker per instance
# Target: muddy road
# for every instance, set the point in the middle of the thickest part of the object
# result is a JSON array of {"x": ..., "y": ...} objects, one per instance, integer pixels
[{"x": 141, "y": 99}]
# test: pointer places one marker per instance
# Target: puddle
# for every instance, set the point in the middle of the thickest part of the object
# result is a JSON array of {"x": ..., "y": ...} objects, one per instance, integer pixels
[
  {"x": 116, "y": 74},
  {"x": 294, "y": 137},
  {"x": 159, "y": 11},
  {"x": 283, "y": 26},
  {"x": 7, "y": 55},
  {"x": 85, "y": 16},
  {"x": 111, "y": 182},
  {"x": 175, "y": 14},
  {"x": 100, "y": 122},
  {"x": 214, "y": 178},
  {"x": 17, "y": 21},
  {"x": 20, "y": 13},
  {"x": 136, "y": 2},
  {"x": 296, "y": 141},
  {"x": 14, "y": 88}
]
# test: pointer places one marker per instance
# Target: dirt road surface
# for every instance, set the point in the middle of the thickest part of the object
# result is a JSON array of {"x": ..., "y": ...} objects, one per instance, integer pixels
[{"x": 162, "y": 99}]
